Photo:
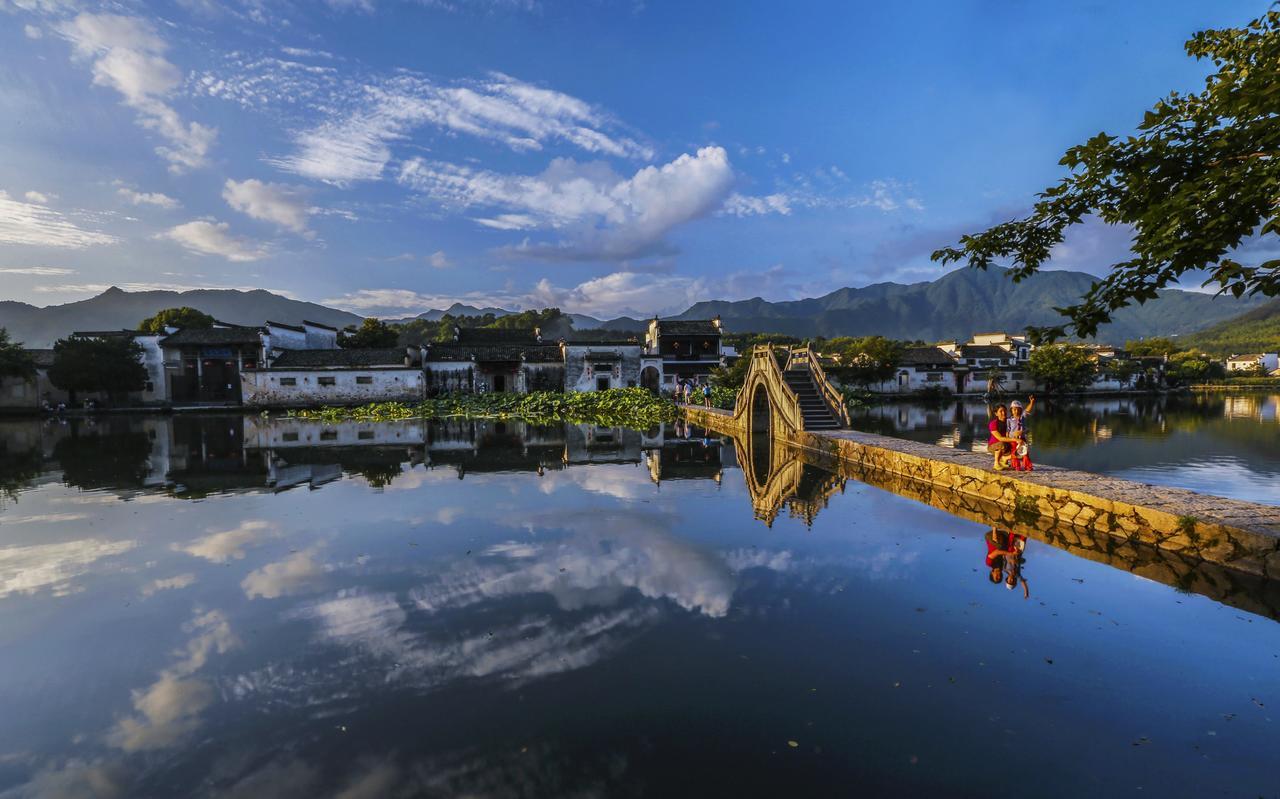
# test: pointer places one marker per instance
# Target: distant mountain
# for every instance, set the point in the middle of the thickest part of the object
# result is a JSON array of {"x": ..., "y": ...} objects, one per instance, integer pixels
[
  {"x": 457, "y": 309},
  {"x": 1257, "y": 330},
  {"x": 115, "y": 309},
  {"x": 964, "y": 302},
  {"x": 956, "y": 305}
]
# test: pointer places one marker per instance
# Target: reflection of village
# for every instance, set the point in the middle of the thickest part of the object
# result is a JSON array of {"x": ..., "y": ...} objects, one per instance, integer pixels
[{"x": 194, "y": 456}]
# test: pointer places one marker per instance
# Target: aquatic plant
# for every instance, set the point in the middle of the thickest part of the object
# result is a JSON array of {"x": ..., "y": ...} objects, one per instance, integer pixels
[{"x": 624, "y": 407}]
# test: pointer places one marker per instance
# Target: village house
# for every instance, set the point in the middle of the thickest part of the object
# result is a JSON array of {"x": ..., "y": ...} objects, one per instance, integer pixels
[
  {"x": 334, "y": 377},
  {"x": 483, "y": 360},
  {"x": 1259, "y": 362},
  {"x": 18, "y": 394},
  {"x": 988, "y": 356},
  {"x": 920, "y": 369},
  {"x": 688, "y": 348},
  {"x": 204, "y": 365},
  {"x": 21, "y": 394},
  {"x": 611, "y": 363}
]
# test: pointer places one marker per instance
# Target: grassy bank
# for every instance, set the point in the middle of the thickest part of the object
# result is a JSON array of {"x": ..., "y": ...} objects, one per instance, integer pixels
[{"x": 619, "y": 407}]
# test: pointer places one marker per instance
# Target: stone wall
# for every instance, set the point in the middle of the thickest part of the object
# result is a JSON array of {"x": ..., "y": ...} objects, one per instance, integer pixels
[
  {"x": 1240, "y": 535},
  {"x": 266, "y": 388}
]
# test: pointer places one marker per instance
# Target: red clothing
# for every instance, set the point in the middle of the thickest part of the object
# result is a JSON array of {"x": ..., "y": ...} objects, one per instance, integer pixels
[
  {"x": 1000, "y": 542},
  {"x": 996, "y": 428}
]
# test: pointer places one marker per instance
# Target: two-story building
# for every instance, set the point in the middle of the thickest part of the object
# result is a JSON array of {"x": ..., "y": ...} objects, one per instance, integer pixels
[
  {"x": 611, "y": 363},
  {"x": 688, "y": 348}
]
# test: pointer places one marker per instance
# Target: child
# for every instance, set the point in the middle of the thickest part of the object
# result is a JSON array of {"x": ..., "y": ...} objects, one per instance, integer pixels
[{"x": 1015, "y": 428}]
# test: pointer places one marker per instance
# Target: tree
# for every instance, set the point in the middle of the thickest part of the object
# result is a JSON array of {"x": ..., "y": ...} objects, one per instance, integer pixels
[
  {"x": 1061, "y": 367},
  {"x": 867, "y": 360},
  {"x": 1193, "y": 184},
  {"x": 1185, "y": 368},
  {"x": 732, "y": 376},
  {"x": 373, "y": 334},
  {"x": 1156, "y": 345},
  {"x": 184, "y": 317},
  {"x": 1121, "y": 370},
  {"x": 111, "y": 364},
  {"x": 14, "y": 360}
]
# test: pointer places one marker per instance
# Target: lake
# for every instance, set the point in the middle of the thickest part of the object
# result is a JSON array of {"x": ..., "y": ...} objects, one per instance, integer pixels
[
  {"x": 1224, "y": 444},
  {"x": 228, "y": 605}
]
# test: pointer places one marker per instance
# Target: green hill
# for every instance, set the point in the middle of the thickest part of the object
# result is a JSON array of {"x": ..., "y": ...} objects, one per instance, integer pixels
[
  {"x": 963, "y": 302},
  {"x": 1254, "y": 331}
]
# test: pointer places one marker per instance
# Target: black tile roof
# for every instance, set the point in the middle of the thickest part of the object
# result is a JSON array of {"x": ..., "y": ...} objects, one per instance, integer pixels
[
  {"x": 107, "y": 333},
  {"x": 622, "y": 341},
  {"x": 317, "y": 324},
  {"x": 687, "y": 327},
  {"x": 532, "y": 353},
  {"x": 43, "y": 358},
  {"x": 926, "y": 356},
  {"x": 494, "y": 335},
  {"x": 339, "y": 359},
  {"x": 983, "y": 351},
  {"x": 296, "y": 328},
  {"x": 213, "y": 336}
]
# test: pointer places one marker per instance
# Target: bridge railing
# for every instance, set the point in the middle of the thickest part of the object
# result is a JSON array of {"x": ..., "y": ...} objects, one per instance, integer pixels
[
  {"x": 805, "y": 356},
  {"x": 764, "y": 362}
]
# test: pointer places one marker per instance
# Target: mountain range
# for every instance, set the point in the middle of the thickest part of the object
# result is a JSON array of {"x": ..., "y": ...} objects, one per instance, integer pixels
[
  {"x": 116, "y": 309},
  {"x": 955, "y": 306}
]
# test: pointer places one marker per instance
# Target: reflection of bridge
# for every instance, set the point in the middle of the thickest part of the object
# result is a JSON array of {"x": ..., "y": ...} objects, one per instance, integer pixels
[{"x": 776, "y": 476}]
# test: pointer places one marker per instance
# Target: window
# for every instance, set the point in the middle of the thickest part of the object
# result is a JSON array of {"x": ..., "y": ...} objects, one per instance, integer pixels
[
  {"x": 933, "y": 377},
  {"x": 289, "y": 437},
  {"x": 289, "y": 381},
  {"x": 364, "y": 380},
  {"x": 327, "y": 381},
  {"x": 328, "y": 435},
  {"x": 365, "y": 435}
]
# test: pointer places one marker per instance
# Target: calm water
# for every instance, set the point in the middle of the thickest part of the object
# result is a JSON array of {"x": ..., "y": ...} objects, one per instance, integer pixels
[
  {"x": 1220, "y": 444},
  {"x": 221, "y": 606}
]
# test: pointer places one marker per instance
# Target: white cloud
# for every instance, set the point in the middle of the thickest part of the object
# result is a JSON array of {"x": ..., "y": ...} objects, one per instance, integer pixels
[
  {"x": 295, "y": 573},
  {"x": 37, "y": 225},
  {"x": 356, "y": 145},
  {"x": 281, "y": 205},
  {"x": 32, "y": 32},
  {"x": 53, "y": 567},
  {"x": 168, "y": 710},
  {"x": 36, "y": 197},
  {"x": 603, "y": 216},
  {"x": 37, "y": 271},
  {"x": 438, "y": 260},
  {"x": 205, "y": 237},
  {"x": 148, "y": 198},
  {"x": 169, "y": 584},
  {"x": 743, "y": 205},
  {"x": 224, "y": 545},
  {"x": 127, "y": 55}
]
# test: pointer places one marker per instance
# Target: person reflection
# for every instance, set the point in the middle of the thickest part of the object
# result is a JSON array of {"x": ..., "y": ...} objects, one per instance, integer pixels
[{"x": 1005, "y": 559}]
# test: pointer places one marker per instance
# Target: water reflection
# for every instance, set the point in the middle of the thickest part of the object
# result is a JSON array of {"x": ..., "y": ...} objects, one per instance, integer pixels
[
  {"x": 1222, "y": 444},
  {"x": 505, "y": 610}
]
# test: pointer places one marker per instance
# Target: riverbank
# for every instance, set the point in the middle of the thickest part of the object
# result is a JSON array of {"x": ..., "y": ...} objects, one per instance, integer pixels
[{"x": 1240, "y": 535}]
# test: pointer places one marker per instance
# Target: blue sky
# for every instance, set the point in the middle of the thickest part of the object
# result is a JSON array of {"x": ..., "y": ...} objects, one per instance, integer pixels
[{"x": 606, "y": 157}]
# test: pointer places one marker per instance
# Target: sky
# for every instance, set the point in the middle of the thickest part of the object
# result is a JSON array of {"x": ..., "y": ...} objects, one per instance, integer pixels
[{"x": 606, "y": 157}]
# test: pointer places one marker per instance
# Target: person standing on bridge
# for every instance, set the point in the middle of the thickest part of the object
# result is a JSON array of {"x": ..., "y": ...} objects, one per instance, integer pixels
[{"x": 706, "y": 394}]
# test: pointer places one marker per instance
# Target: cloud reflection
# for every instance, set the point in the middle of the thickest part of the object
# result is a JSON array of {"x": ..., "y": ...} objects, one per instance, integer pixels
[
  {"x": 53, "y": 567},
  {"x": 222, "y": 546}
]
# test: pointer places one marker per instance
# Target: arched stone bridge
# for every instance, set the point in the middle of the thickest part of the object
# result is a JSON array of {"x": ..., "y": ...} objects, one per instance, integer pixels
[{"x": 786, "y": 391}]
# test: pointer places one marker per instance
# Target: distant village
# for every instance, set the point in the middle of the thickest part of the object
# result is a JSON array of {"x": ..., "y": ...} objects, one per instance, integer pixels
[{"x": 278, "y": 365}]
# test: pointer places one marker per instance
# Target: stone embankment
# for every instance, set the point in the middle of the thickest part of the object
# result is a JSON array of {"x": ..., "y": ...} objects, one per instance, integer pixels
[{"x": 1244, "y": 536}]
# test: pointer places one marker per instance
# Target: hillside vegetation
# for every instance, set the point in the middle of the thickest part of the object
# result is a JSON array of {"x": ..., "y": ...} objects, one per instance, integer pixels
[{"x": 1254, "y": 331}]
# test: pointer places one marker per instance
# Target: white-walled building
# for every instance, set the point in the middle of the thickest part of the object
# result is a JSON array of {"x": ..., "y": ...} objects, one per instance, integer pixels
[
  {"x": 334, "y": 377},
  {"x": 1268, "y": 362}
]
